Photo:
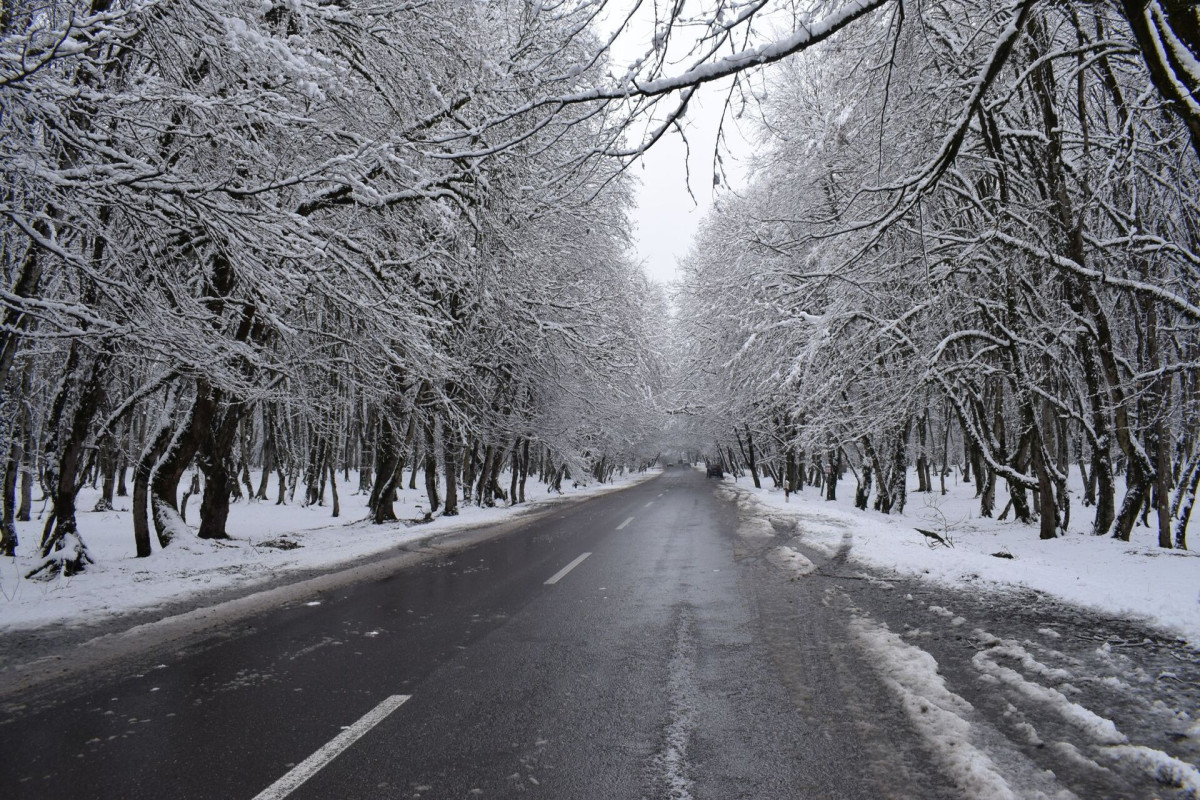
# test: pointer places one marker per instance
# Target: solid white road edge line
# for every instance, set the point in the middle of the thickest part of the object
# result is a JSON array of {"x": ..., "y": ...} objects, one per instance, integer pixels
[
  {"x": 562, "y": 573},
  {"x": 621, "y": 527},
  {"x": 314, "y": 763}
]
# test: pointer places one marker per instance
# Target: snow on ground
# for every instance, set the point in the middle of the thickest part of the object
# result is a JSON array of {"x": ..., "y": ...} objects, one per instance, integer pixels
[
  {"x": 118, "y": 582},
  {"x": 1136, "y": 578},
  {"x": 939, "y": 715}
]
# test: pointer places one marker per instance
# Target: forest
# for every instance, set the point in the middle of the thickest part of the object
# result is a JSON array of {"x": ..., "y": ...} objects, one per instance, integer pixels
[
  {"x": 304, "y": 237},
  {"x": 970, "y": 239}
]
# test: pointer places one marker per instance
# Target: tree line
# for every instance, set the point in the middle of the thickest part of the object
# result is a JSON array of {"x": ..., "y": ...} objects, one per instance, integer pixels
[
  {"x": 971, "y": 238},
  {"x": 246, "y": 235},
  {"x": 308, "y": 235}
]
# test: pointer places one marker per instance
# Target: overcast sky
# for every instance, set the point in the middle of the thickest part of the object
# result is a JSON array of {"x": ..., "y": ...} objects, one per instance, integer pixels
[{"x": 667, "y": 215}]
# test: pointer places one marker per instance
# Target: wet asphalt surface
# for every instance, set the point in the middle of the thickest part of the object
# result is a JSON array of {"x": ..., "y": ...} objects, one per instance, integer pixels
[{"x": 675, "y": 661}]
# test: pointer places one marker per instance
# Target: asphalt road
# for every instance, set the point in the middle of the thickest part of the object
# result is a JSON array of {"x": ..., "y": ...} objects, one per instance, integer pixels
[{"x": 629, "y": 646}]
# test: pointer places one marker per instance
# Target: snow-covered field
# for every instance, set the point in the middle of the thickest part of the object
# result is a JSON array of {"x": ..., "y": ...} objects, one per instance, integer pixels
[
  {"x": 118, "y": 582},
  {"x": 1135, "y": 578}
]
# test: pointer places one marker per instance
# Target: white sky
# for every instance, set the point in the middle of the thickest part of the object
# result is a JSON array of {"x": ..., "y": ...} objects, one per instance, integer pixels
[{"x": 667, "y": 216}]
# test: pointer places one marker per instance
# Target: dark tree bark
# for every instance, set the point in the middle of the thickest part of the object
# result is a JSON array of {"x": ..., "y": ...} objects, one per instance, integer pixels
[
  {"x": 192, "y": 489},
  {"x": 337, "y": 507},
  {"x": 386, "y": 484},
  {"x": 831, "y": 479},
  {"x": 524, "y": 470},
  {"x": 8, "y": 525},
  {"x": 141, "y": 494},
  {"x": 493, "y": 485},
  {"x": 15, "y": 320},
  {"x": 1187, "y": 502},
  {"x": 164, "y": 484},
  {"x": 863, "y": 493},
  {"x": 449, "y": 449},
  {"x": 220, "y": 479},
  {"x": 107, "y": 467},
  {"x": 367, "y": 434},
  {"x": 516, "y": 473},
  {"x": 1156, "y": 25},
  {"x": 62, "y": 547},
  {"x": 431, "y": 478},
  {"x": 28, "y": 476},
  {"x": 247, "y": 433},
  {"x": 483, "y": 488},
  {"x": 17, "y": 456}
]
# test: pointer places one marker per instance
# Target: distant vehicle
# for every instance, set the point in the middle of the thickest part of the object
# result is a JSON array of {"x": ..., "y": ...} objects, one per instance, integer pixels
[{"x": 715, "y": 470}]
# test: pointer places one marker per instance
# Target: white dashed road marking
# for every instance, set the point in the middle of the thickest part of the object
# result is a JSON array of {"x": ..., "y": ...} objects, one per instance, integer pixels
[
  {"x": 562, "y": 573},
  {"x": 314, "y": 763}
]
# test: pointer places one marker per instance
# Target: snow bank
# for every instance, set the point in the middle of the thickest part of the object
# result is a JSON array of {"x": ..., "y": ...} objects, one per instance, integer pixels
[
  {"x": 267, "y": 541},
  {"x": 1137, "y": 578}
]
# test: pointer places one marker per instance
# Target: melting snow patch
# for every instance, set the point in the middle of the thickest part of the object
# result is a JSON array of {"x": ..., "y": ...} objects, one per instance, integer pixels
[
  {"x": 1163, "y": 768},
  {"x": 1099, "y": 729},
  {"x": 791, "y": 560},
  {"x": 671, "y": 761},
  {"x": 756, "y": 529},
  {"x": 938, "y": 714}
]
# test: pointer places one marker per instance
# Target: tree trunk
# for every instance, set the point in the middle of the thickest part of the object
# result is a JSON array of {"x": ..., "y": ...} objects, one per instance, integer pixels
[
  {"x": 63, "y": 549},
  {"x": 122, "y": 466},
  {"x": 193, "y": 489},
  {"x": 831, "y": 479},
  {"x": 449, "y": 448},
  {"x": 17, "y": 456},
  {"x": 15, "y": 320},
  {"x": 524, "y": 470},
  {"x": 141, "y": 483},
  {"x": 431, "y": 479},
  {"x": 366, "y": 451},
  {"x": 1177, "y": 82},
  {"x": 516, "y": 473},
  {"x": 164, "y": 484},
  {"x": 8, "y": 523},
  {"x": 494, "y": 489},
  {"x": 863, "y": 493},
  {"x": 386, "y": 484},
  {"x": 1187, "y": 502},
  {"x": 337, "y": 508},
  {"x": 107, "y": 466},
  {"x": 220, "y": 479},
  {"x": 268, "y": 455},
  {"x": 483, "y": 489},
  {"x": 247, "y": 432},
  {"x": 924, "y": 484},
  {"x": 28, "y": 475}
]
